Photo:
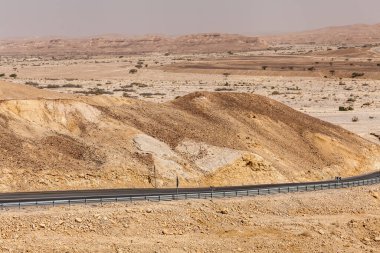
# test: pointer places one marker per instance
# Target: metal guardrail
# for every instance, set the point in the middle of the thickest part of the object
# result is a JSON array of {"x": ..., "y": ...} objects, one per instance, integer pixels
[{"x": 198, "y": 195}]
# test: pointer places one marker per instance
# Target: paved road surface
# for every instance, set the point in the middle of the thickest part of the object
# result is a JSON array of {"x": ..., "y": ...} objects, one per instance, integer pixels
[{"x": 21, "y": 197}]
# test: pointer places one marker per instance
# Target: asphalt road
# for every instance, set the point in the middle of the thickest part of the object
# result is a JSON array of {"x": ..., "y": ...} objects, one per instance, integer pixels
[{"x": 20, "y": 197}]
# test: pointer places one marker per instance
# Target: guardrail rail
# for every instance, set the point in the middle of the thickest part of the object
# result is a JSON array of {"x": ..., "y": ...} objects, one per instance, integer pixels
[{"x": 195, "y": 195}]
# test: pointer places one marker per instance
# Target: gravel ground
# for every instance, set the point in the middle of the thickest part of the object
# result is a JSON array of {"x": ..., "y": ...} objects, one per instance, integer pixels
[{"x": 346, "y": 220}]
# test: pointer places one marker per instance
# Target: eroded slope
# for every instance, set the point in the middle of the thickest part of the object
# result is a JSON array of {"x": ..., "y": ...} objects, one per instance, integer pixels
[{"x": 203, "y": 138}]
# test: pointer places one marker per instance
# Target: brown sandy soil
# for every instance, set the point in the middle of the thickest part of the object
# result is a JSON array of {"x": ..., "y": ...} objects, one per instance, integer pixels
[
  {"x": 306, "y": 66},
  {"x": 346, "y": 220}
]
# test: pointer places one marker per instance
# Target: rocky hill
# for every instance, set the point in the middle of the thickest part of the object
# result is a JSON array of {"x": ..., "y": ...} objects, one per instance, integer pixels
[
  {"x": 337, "y": 35},
  {"x": 56, "y": 141},
  {"x": 120, "y": 45}
]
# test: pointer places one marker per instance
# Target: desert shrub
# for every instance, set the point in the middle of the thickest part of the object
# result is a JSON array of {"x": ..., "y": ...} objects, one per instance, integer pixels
[
  {"x": 357, "y": 74},
  {"x": 2, "y": 75},
  {"x": 31, "y": 83},
  {"x": 311, "y": 69},
  {"x": 70, "y": 85},
  {"x": 150, "y": 94},
  {"x": 95, "y": 91},
  {"x": 132, "y": 71},
  {"x": 293, "y": 88},
  {"x": 264, "y": 67},
  {"x": 139, "y": 66},
  {"x": 226, "y": 74},
  {"x": 13, "y": 75},
  {"x": 276, "y": 92},
  {"x": 53, "y": 86},
  {"x": 376, "y": 135},
  {"x": 140, "y": 85},
  {"x": 124, "y": 89},
  {"x": 378, "y": 64},
  {"x": 355, "y": 119},
  {"x": 224, "y": 89},
  {"x": 344, "y": 108},
  {"x": 367, "y": 104}
]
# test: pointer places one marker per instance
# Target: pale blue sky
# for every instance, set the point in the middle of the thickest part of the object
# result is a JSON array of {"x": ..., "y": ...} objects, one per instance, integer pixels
[{"x": 25, "y": 18}]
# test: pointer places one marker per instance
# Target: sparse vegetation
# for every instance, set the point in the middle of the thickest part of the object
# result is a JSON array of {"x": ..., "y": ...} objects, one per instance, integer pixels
[
  {"x": 140, "y": 85},
  {"x": 346, "y": 108},
  {"x": 32, "y": 83},
  {"x": 357, "y": 74},
  {"x": 70, "y": 85},
  {"x": 150, "y": 94},
  {"x": 53, "y": 86},
  {"x": 224, "y": 89},
  {"x": 95, "y": 91}
]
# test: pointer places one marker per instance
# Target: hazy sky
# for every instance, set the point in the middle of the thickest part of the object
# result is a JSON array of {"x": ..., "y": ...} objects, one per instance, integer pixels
[{"x": 136, "y": 17}]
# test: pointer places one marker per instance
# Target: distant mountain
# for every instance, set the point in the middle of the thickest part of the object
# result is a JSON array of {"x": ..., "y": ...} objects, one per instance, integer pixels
[
  {"x": 350, "y": 34},
  {"x": 118, "y": 44}
]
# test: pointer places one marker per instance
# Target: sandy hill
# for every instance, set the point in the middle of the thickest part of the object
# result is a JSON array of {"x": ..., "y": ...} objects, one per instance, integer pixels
[
  {"x": 113, "y": 44},
  {"x": 204, "y": 138},
  {"x": 337, "y": 35}
]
